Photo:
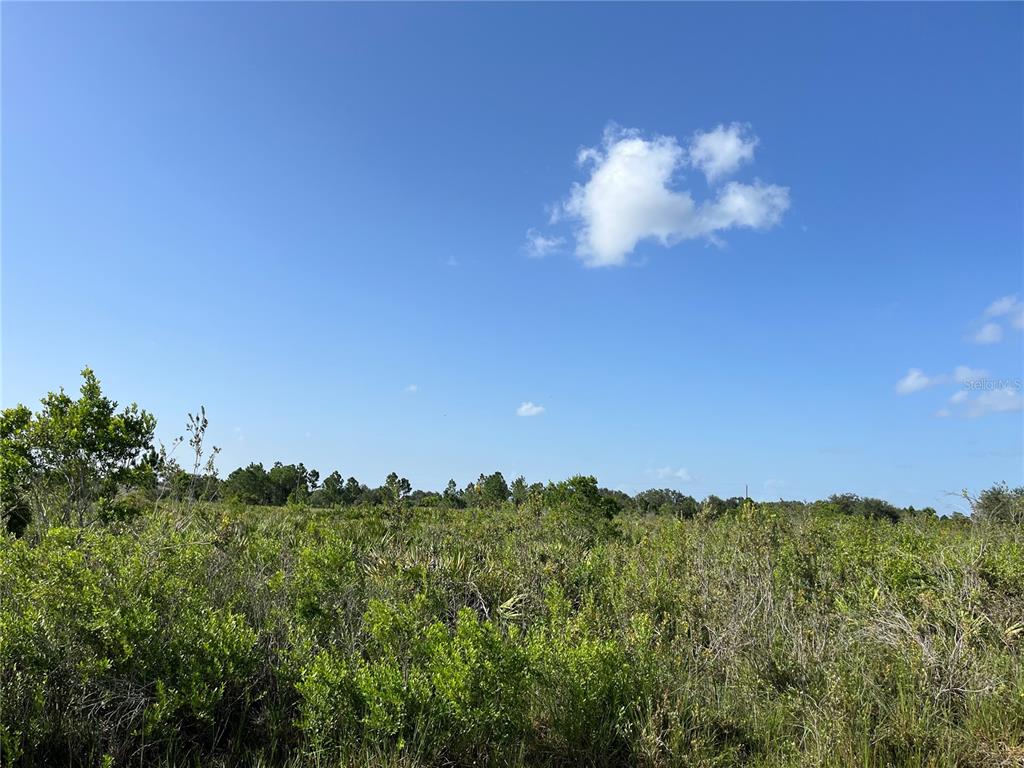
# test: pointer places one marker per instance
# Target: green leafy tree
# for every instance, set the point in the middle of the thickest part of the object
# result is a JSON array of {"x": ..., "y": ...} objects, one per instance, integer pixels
[
  {"x": 852, "y": 504},
  {"x": 666, "y": 501},
  {"x": 76, "y": 451},
  {"x": 289, "y": 482},
  {"x": 879, "y": 509},
  {"x": 714, "y": 506},
  {"x": 471, "y": 495},
  {"x": 619, "y": 499},
  {"x": 453, "y": 496},
  {"x": 396, "y": 488},
  {"x": 17, "y": 468},
  {"x": 1000, "y": 503},
  {"x": 249, "y": 485},
  {"x": 372, "y": 496},
  {"x": 353, "y": 491},
  {"x": 519, "y": 491},
  {"x": 580, "y": 494},
  {"x": 493, "y": 490},
  {"x": 332, "y": 492},
  {"x": 426, "y": 499},
  {"x": 189, "y": 486}
]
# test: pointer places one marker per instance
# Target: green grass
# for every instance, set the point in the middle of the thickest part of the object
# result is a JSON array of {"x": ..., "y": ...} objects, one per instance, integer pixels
[{"x": 770, "y": 637}]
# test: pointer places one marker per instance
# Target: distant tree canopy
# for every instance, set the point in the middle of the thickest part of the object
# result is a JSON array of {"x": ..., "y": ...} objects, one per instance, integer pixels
[
  {"x": 865, "y": 506},
  {"x": 336, "y": 491},
  {"x": 666, "y": 501},
  {"x": 284, "y": 483},
  {"x": 492, "y": 489},
  {"x": 580, "y": 494},
  {"x": 82, "y": 459},
  {"x": 452, "y": 496},
  {"x": 249, "y": 485}
]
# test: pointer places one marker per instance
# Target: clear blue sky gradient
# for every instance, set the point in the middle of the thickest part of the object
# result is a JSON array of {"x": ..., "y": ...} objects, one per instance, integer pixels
[{"x": 291, "y": 212}]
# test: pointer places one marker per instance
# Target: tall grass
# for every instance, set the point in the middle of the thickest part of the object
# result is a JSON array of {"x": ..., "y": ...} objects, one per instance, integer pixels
[{"x": 769, "y": 637}]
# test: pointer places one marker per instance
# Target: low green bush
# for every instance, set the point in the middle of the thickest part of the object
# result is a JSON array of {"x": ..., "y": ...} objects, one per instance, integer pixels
[{"x": 552, "y": 634}]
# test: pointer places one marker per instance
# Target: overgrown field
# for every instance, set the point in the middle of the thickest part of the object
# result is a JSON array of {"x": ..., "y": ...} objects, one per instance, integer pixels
[{"x": 219, "y": 634}]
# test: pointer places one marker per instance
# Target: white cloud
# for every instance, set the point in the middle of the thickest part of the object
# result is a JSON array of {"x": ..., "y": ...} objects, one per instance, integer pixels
[
  {"x": 1009, "y": 307},
  {"x": 756, "y": 206},
  {"x": 538, "y": 246},
  {"x": 1007, "y": 311},
  {"x": 529, "y": 409},
  {"x": 668, "y": 473},
  {"x": 630, "y": 197},
  {"x": 915, "y": 381},
  {"x": 943, "y": 413},
  {"x": 963, "y": 374},
  {"x": 721, "y": 151},
  {"x": 1006, "y": 399},
  {"x": 1001, "y": 306},
  {"x": 989, "y": 333},
  {"x": 412, "y": 389}
]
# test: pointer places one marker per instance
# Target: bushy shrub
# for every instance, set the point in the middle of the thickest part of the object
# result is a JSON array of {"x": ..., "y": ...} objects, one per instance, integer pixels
[
  {"x": 546, "y": 635},
  {"x": 109, "y": 644},
  {"x": 1001, "y": 504}
]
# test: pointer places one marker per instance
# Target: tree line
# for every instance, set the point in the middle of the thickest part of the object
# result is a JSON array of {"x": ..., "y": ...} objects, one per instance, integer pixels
[{"x": 80, "y": 460}]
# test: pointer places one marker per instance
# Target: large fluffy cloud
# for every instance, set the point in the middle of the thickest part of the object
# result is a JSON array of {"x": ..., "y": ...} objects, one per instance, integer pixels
[{"x": 631, "y": 196}]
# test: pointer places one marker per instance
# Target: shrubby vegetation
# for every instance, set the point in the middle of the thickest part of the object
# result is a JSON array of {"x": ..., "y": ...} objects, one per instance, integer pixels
[{"x": 497, "y": 624}]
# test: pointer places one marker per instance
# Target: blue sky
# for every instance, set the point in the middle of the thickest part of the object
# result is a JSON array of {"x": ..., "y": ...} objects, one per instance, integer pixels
[{"x": 716, "y": 245}]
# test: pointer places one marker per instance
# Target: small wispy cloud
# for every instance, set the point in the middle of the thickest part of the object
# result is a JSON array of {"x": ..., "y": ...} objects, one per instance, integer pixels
[
  {"x": 1005, "y": 312},
  {"x": 1009, "y": 307},
  {"x": 916, "y": 380},
  {"x": 412, "y": 389},
  {"x": 982, "y": 396},
  {"x": 538, "y": 246},
  {"x": 529, "y": 409},
  {"x": 669, "y": 473},
  {"x": 1002, "y": 400},
  {"x": 963, "y": 374},
  {"x": 989, "y": 333}
]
